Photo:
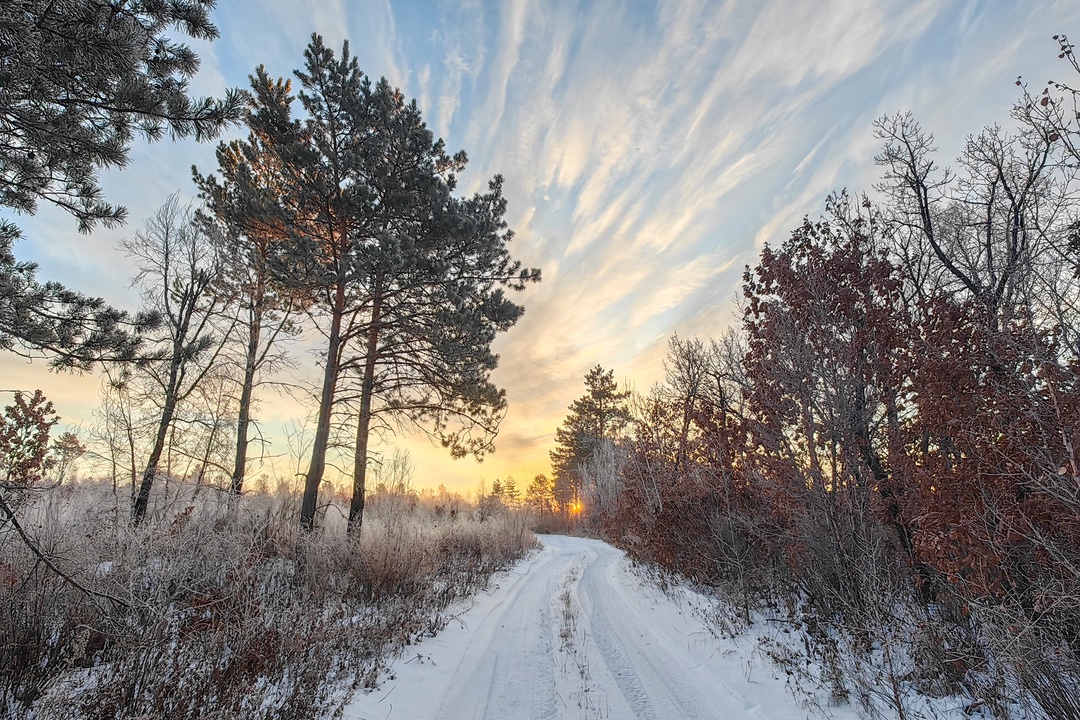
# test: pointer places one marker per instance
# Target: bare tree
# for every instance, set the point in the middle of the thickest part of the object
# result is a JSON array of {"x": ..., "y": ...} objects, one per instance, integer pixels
[
  {"x": 178, "y": 272},
  {"x": 601, "y": 478},
  {"x": 116, "y": 433},
  {"x": 978, "y": 231}
]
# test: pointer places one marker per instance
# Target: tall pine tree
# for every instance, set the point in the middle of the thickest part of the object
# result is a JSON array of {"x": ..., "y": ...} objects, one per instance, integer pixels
[
  {"x": 406, "y": 281},
  {"x": 243, "y": 207},
  {"x": 79, "y": 79},
  {"x": 597, "y": 416},
  {"x": 322, "y": 186}
]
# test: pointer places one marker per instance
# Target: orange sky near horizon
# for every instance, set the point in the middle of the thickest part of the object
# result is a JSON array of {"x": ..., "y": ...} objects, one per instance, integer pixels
[{"x": 649, "y": 150}]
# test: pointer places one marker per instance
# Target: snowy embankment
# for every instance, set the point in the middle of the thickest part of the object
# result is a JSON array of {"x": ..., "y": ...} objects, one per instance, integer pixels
[{"x": 573, "y": 632}]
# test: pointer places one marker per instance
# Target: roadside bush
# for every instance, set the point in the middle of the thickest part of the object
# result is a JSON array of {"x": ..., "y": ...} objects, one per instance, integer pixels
[{"x": 221, "y": 609}]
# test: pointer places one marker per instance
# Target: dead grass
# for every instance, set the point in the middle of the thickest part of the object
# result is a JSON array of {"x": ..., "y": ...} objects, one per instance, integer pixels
[{"x": 220, "y": 608}]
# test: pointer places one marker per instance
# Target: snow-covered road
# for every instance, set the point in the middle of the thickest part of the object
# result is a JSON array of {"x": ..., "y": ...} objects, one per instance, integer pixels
[{"x": 571, "y": 632}]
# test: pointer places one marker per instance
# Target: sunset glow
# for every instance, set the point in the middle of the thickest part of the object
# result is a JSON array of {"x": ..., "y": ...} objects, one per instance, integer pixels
[{"x": 648, "y": 151}]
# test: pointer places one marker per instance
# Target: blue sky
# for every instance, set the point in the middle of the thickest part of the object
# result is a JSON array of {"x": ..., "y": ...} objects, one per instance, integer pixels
[{"x": 649, "y": 149}]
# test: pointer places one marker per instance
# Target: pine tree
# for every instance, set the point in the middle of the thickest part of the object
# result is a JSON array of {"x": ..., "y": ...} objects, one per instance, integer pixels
[
  {"x": 436, "y": 285},
  {"x": 406, "y": 281},
  {"x": 597, "y": 416},
  {"x": 511, "y": 495},
  {"x": 45, "y": 318},
  {"x": 242, "y": 208},
  {"x": 540, "y": 496},
  {"x": 320, "y": 182},
  {"x": 79, "y": 79}
]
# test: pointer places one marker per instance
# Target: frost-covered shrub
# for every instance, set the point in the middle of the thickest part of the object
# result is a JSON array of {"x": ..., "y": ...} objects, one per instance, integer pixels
[{"x": 220, "y": 608}]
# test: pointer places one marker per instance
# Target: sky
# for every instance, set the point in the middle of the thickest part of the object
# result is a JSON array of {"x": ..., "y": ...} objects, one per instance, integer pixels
[{"x": 649, "y": 150}]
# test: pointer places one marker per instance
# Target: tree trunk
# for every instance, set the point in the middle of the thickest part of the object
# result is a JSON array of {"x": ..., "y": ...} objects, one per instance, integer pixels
[
  {"x": 363, "y": 425},
  {"x": 684, "y": 432},
  {"x": 326, "y": 405},
  {"x": 142, "y": 499},
  {"x": 236, "y": 484},
  {"x": 132, "y": 467}
]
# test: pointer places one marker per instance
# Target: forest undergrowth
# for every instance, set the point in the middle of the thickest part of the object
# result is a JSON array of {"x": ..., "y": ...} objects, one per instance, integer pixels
[
  {"x": 852, "y": 625},
  {"x": 219, "y": 607},
  {"x": 877, "y": 470}
]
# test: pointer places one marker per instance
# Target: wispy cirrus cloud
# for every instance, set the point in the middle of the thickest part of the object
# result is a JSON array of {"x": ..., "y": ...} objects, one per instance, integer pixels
[
  {"x": 649, "y": 149},
  {"x": 674, "y": 151}
]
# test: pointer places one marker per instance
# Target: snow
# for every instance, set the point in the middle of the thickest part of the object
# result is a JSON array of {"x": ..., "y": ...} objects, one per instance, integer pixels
[{"x": 573, "y": 632}]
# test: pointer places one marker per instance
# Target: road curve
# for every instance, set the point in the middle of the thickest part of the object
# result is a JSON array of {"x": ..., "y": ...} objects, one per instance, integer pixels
[{"x": 571, "y": 632}]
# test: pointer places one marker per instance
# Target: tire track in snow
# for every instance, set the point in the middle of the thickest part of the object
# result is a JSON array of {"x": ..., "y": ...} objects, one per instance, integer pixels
[
  {"x": 634, "y": 651},
  {"x": 633, "y": 654},
  {"x": 509, "y": 668}
]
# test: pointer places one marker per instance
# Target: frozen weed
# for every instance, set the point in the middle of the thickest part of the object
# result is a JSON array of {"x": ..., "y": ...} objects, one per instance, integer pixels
[{"x": 223, "y": 609}]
